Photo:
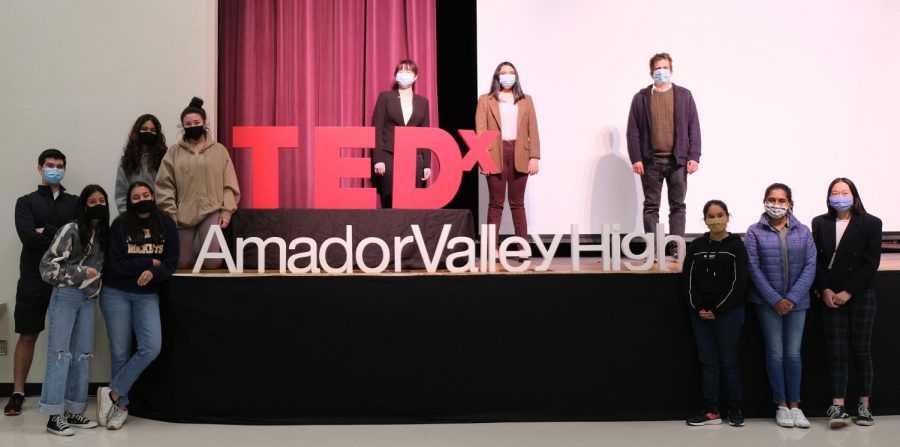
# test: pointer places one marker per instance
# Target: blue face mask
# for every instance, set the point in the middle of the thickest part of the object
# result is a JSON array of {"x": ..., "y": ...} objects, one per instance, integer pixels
[
  {"x": 840, "y": 203},
  {"x": 54, "y": 175},
  {"x": 405, "y": 79},
  {"x": 507, "y": 80},
  {"x": 662, "y": 75}
]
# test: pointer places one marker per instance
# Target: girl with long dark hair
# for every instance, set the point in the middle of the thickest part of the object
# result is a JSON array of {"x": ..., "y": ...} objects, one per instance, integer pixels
[
  {"x": 141, "y": 157},
  {"x": 72, "y": 265},
  {"x": 516, "y": 150},
  {"x": 848, "y": 243}
]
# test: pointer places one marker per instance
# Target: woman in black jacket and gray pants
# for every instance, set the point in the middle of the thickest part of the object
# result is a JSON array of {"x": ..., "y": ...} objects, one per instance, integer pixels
[
  {"x": 714, "y": 281},
  {"x": 848, "y": 246}
]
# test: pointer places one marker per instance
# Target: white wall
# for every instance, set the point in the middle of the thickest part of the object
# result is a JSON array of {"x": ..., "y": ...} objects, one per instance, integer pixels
[
  {"x": 793, "y": 91},
  {"x": 75, "y": 76}
]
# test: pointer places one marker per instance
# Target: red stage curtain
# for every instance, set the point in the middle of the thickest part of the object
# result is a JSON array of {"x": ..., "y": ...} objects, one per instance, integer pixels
[{"x": 310, "y": 63}]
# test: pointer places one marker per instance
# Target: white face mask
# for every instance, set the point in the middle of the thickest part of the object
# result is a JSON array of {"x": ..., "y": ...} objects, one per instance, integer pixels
[
  {"x": 405, "y": 79},
  {"x": 776, "y": 211},
  {"x": 507, "y": 80}
]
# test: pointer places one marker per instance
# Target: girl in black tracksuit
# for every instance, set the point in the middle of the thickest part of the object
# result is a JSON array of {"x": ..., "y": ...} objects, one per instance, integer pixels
[{"x": 714, "y": 281}]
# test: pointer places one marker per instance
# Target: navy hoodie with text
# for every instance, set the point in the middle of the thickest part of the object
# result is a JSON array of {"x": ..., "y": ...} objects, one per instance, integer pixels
[{"x": 126, "y": 260}]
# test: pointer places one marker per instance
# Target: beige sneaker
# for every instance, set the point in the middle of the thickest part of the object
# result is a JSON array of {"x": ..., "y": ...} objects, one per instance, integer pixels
[
  {"x": 104, "y": 404},
  {"x": 117, "y": 418},
  {"x": 783, "y": 417},
  {"x": 799, "y": 418}
]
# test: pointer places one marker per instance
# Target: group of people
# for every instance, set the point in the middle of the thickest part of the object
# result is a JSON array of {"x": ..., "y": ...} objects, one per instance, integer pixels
[
  {"x": 775, "y": 269},
  {"x": 168, "y": 198},
  {"x": 505, "y": 109},
  {"x": 72, "y": 258},
  {"x": 663, "y": 137}
]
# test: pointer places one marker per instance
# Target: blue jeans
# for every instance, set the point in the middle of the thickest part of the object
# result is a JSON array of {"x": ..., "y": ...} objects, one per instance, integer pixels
[
  {"x": 717, "y": 346},
  {"x": 69, "y": 347},
  {"x": 126, "y": 313},
  {"x": 783, "y": 336}
]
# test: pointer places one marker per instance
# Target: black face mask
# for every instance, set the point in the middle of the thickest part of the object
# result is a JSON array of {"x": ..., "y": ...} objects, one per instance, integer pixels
[
  {"x": 142, "y": 207},
  {"x": 194, "y": 133},
  {"x": 147, "y": 138},
  {"x": 97, "y": 212}
]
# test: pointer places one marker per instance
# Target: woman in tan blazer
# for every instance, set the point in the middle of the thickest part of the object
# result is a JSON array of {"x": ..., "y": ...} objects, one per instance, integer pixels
[{"x": 516, "y": 151}]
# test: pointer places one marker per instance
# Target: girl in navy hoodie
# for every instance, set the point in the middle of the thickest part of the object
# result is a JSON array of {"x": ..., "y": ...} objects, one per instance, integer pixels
[
  {"x": 143, "y": 252},
  {"x": 714, "y": 281}
]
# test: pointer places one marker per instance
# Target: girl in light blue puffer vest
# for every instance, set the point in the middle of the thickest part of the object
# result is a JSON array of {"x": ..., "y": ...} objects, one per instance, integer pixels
[{"x": 782, "y": 257}]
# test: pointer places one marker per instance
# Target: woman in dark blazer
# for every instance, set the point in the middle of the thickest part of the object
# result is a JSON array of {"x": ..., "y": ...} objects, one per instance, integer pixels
[
  {"x": 848, "y": 242},
  {"x": 399, "y": 106}
]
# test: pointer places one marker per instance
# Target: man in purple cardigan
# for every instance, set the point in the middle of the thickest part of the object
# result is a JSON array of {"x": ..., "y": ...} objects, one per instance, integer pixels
[{"x": 663, "y": 143}]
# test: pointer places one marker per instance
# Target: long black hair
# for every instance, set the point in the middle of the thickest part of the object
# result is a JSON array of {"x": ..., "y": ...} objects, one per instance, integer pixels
[
  {"x": 131, "y": 156},
  {"x": 134, "y": 226},
  {"x": 518, "y": 94},
  {"x": 85, "y": 229},
  {"x": 857, "y": 207}
]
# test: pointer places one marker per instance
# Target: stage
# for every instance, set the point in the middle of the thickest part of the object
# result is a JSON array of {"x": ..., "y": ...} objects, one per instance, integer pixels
[{"x": 478, "y": 347}]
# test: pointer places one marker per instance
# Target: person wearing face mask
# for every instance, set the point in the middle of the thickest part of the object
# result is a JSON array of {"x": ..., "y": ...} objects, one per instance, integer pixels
[
  {"x": 142, "y": 254},
  {"x": 141, "y": 157},
  {"x": 848, "y": 242},
  {"x": 38, "y": 217},
  {"x": 197, "y": 187},
  {"x": 663, "y": 143},
  {"x": 782, "y": 258},
  {"x": 516, "y": 150},
  {"x": 73, "y": 265},
  {"x": 714, "y": 281},
  {"x": 399, "y": 106}
]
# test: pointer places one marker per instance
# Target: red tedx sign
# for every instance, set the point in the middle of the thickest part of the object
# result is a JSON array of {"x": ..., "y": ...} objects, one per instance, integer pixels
[{"x": 330, "y": 167}]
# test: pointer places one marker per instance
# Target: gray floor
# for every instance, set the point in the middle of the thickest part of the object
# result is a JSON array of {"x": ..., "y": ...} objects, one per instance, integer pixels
[{"x": 28, "y": 430}]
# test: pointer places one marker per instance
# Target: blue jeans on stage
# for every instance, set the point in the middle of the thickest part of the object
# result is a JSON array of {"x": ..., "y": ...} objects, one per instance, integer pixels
[
  {"x": 69, "y": 348},
  {"x": 126, "y": 313},
  {"x": 717, "y": 346},
  {"x": 783, "y": 336}
]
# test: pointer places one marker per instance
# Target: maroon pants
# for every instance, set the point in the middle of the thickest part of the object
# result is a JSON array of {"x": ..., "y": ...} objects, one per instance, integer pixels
[{"x": 497, "y": 191}]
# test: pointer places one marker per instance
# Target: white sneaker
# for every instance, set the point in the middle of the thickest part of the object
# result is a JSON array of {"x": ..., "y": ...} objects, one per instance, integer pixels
[
  {"x": 784, "y": 418},
  {"x": 104, "y": 404},
  {"x": 799, "y": 419},
  {"x": 116, "y": 418}
]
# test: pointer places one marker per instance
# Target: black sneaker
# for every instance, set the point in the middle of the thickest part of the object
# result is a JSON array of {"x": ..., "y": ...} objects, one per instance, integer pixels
[
  {"x": 864, "y": 415},
  {"x": 14, "y": 406},
  {"x": 79, "y": 421},
  {"x": 709, "y": 417},
  {"x": 837, "y": 417},
  {"x": 58, "y": 426},
  {"x": 735, "y": 418}
]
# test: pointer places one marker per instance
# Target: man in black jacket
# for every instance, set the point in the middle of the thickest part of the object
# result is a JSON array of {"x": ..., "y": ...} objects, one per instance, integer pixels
[{"x": 38, "y": 216}]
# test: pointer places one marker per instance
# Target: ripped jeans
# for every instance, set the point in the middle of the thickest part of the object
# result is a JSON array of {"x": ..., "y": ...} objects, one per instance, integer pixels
[{"x": 69, "y": 348}]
